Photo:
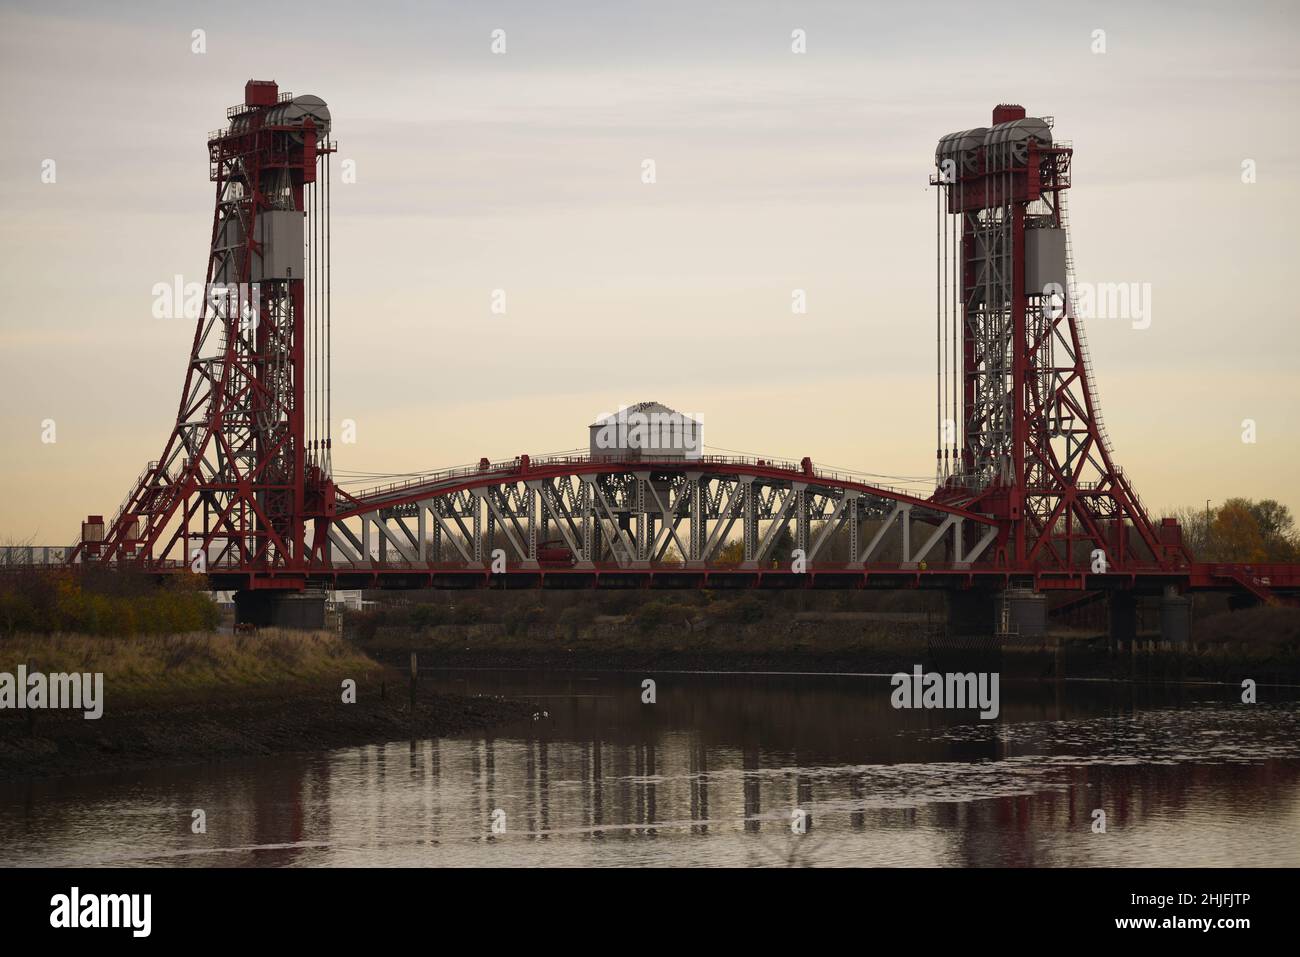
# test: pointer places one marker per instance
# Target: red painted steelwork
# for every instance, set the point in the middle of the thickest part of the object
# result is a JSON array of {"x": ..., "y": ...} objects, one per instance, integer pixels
[{"x": 242, "y": 478}]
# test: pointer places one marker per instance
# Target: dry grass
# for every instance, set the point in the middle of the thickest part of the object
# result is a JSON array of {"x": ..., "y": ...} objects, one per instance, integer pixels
[{"x": 183, "y": 665}]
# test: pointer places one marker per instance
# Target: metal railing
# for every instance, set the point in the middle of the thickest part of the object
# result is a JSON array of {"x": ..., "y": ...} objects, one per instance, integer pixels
[
  {"x": 706, "y": 462},
  {"x": 121, "y": 509},
  {"x": 241, "y": 108}
]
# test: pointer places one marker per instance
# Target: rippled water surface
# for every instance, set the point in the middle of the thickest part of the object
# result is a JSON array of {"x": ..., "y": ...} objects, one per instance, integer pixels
[{"x": 713, "y": 773}]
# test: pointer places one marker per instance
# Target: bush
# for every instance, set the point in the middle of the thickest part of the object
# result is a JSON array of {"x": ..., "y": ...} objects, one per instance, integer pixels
[
  {"x": 745, "y": 610},
  {"x": 620, "y": 602},
  {"x": 749, "y": 610},
  {"x": 427, "y": 616},
  {"x": 467, "y": 612},
  {"x": 652, "y": 615},
  {"x": 105, "y": 604},
  {"x": 517, "y": 620},
  {"x": 571, "y": 621},
  {"x": 366, "y": 624}
]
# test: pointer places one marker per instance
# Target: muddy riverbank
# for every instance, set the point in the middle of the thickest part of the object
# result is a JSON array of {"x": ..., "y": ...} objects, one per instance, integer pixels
[{"x": 292, "y": 720}]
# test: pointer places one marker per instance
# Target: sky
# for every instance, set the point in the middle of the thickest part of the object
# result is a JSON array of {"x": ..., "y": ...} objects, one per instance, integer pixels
[{"x": 522, "y": 171}]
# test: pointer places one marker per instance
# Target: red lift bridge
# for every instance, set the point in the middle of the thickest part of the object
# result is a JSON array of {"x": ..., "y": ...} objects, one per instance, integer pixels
[{"x": 1027, "y": 494}]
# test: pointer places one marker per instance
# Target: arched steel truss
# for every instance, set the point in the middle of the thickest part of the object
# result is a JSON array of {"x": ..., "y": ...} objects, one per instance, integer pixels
[{"x": 645, "y": 514}]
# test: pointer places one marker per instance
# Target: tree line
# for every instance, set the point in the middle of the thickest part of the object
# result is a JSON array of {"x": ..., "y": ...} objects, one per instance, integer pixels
[
  {"x": 1241, "y": 530},
  {"x": 109, "y": 603}
]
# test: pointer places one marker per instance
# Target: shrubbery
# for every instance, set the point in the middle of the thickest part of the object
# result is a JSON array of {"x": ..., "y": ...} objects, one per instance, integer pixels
[
  {"x": 422, "y": 616},
  {"x": 651, "y": 615},
  {"x": 118, "y": 604},
  {"x": 568, "y": 616},
  {"x": 572, "y": 620},
  {"x": 517, "y": 620}
]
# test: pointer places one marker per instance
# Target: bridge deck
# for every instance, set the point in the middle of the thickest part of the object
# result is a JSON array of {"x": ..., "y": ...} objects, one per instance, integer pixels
[{"x": 1281, "y": 580}]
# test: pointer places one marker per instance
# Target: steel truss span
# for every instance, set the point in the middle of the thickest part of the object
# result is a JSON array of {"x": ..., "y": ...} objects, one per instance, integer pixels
[
  {"x": 586, "y": 514},
  {"x": 1027, "y": 491}
]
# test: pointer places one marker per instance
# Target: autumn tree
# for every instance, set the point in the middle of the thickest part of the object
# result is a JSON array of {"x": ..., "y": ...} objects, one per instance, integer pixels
[
  {"x": 733, "y": 553},
  {"x": 1235, "y": 533},
  {"x": 1277, "y": 528},
  {"x": 1241, "y": 530}
]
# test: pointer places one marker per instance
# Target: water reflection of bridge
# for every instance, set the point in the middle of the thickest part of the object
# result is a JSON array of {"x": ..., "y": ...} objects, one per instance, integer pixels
[{"x": 711, "y": 774}]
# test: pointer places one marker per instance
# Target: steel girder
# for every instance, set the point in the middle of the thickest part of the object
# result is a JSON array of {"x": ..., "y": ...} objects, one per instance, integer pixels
[
  {"x": 629, "y": 516},
  {"x": 988, "y": 386}
]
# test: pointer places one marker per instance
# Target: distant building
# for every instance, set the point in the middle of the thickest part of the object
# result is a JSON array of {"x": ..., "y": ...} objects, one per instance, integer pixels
[
  {"x": 33, "y": 554},
  {"x": 347, "y": 600},
  {"x": 647, "y": 430}
]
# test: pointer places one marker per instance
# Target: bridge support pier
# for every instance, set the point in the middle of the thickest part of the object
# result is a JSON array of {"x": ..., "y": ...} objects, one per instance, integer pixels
[
  {"x": 269, "y": 609},
  {"x": 1023, "y": 613},
  {"x": 1175, "y": 617},
  {"x": 972, "y": 613},
  {"x": 1017, "y": 611},
  {"x": 1123, "y": 619}
]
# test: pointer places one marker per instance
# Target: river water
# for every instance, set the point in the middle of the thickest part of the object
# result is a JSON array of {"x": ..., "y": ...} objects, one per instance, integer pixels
[{"x": 720, "y": 770}]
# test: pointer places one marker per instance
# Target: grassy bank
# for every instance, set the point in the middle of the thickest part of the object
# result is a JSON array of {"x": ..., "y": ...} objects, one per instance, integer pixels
[
  {"x": 168, "y": 667},
  {"x": 196, "y": 698}
]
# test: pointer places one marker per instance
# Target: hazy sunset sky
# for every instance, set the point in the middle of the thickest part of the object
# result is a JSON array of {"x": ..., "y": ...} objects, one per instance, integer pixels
[{"x": 522, "y": 172}]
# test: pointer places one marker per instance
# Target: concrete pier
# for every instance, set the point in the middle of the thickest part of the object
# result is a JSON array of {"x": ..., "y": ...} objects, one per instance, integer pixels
[
  {"x": 1122, "y": 614},
  {"x": 1023, "y": 612},
  {"x": 1175, "y": 617},
  {"x": 271, "y": 609},
  {"x": 972, "y": 613},
  {"x": 983, "y": 613}
]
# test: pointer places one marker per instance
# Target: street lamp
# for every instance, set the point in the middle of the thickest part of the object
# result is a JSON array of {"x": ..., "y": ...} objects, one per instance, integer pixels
[{"x": 1207, "y": 528}]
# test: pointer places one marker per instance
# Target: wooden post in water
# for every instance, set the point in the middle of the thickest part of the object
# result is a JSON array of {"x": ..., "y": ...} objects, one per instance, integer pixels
[
  {"x": 414, "y": 673},
  {"x": 31, "y": 712}
]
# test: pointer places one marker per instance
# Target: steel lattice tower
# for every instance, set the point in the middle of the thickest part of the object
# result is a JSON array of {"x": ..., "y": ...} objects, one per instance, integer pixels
[
  {"x": 245, "y": 473},
  {"x": 1020, "y": 433}
]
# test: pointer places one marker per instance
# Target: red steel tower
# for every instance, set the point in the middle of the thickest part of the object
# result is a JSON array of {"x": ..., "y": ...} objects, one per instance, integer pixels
[
  {"x": 244, "y": 479},
  {"x": 1020, "y": 432}
]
